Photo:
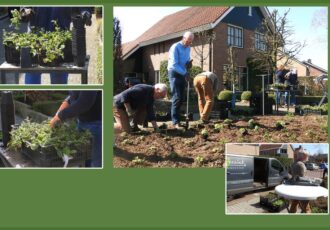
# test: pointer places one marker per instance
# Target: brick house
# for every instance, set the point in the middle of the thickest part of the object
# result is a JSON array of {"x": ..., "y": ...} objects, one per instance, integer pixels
[
  {"x": 232, "y": 26},
  {"x": 305, "y": 68},
  {"x": 281, "y": 150}
]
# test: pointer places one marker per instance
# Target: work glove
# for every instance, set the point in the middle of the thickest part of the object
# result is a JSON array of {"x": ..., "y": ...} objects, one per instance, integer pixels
[
  {"x": 87, "y": 17},
  {"x": 54, "y": 121}
]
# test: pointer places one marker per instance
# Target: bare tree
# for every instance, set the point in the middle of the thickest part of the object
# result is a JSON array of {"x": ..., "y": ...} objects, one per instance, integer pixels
[
  {"x": 117, "y": 51},
  {"x": 230, "y": 76},
  {"x": 202, "y": 51},
  {"x": 275, "y": 42}
]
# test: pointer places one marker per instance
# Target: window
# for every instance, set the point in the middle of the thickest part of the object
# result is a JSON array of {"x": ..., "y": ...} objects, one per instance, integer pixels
[
  {"x": 250, "y": 11},
  {"x": 235, "y": 36},
  {"x": 259, "y": 41},
  {"x": 275, "y": 164},
  {"x": 157, "y": 76}
]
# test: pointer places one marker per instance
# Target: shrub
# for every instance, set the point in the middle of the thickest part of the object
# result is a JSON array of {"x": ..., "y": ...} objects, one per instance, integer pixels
[
  {"x": 164, "y": 75},
  {"x": 194, "y": 71},
  {"x": 246, "y": 95},
  {"x": 225, "y": 95}
]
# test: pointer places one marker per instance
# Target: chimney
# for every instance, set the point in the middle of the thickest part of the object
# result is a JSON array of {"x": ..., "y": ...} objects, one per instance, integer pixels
[{"x": 309, "y": 61}]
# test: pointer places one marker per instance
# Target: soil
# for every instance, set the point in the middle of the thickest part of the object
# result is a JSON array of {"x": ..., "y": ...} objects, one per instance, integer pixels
[{"x": 180, "y": 148}]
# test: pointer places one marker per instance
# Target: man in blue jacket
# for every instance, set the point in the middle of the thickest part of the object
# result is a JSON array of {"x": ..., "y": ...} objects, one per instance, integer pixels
[
  {"x": 137, "y": 103},
  {"x": 42, "y": 17},
  {"x": 86, "y": 106},
  {"x": 178, "y": 64}
]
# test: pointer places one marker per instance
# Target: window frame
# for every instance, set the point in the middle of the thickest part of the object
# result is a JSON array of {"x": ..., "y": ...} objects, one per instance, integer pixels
[{"x": 233, "y": 36}]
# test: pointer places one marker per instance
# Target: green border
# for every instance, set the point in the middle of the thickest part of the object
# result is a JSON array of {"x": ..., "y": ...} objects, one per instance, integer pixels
[{"x": 128, "y": 198}]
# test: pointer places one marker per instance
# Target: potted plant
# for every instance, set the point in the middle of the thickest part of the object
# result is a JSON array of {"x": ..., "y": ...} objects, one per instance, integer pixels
[
  {"x": 12, "y": 53},
  {"x": 223, "y": 103},
  {"x": 46, "y": 146}
]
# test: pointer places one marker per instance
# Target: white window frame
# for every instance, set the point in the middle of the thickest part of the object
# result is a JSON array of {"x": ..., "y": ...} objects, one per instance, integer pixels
[
  {"x": 229, "y": 36},
  {"x": 258, "y": 42}
]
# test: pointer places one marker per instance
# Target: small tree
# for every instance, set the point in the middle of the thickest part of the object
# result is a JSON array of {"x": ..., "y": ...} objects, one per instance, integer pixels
[
  {"x": 203, "y": 39},
  {"x": 276, "y": 42},
  {"x": 230, "y": 77},
  {"x": 164, "y": 75},
  {"x": 117, "y": 51}
]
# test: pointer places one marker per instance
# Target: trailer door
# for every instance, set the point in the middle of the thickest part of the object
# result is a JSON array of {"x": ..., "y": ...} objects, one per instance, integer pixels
[{"x": 239, "y": 174}]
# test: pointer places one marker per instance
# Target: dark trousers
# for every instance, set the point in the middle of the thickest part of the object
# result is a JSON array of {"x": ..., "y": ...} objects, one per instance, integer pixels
[{"x": 177, "y": 84}]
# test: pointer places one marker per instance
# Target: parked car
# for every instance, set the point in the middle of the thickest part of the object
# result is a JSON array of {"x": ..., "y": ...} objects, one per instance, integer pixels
[
  {"x": 249, "y": 173},
  {"x": 311, "y": 166},
  {"x": 323, "y": 165}
]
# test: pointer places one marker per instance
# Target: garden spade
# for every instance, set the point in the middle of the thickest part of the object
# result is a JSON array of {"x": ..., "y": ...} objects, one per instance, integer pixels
[{"x": 187, "y": 108}]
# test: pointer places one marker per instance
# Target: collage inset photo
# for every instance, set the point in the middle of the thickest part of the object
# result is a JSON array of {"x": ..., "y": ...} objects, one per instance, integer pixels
[
  {"x": 188, "y": 80},
  {"x": 51, "y": 45},
  {"x": 277, "y": 178},
  {"x": 51, "y": 129}
]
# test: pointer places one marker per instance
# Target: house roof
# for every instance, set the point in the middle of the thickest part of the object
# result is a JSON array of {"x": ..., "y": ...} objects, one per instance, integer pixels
[
  {"x": 264, "y": 147},
  {"x": 174, "y": 25},
  {"x": 178, "y": 22},
  {"x": 309, "y": 64}
]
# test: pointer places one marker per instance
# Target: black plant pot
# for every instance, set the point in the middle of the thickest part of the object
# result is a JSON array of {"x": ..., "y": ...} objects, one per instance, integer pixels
[
  {"x": 68, "y": 57},
  {"x": 12, "y": 56},
  {"x": 221, "y": 108},
  {"x": 26, "y": 58},
  {"x": 54, "y": 63},
  {"x": 79, "y": 60}
]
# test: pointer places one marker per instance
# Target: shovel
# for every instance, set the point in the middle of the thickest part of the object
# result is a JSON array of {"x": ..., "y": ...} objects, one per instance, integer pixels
[{"x": 187, "y": 108}]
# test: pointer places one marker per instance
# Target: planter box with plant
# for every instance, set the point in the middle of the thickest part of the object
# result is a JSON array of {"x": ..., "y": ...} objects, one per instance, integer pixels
[
  {"x": 46, "y": 48},
  {"x": 46, "y": 146}
]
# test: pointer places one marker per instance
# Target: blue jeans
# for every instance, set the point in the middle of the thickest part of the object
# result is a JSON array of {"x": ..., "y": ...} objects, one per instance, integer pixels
[
  {"x": 177, "y": 84},
  {"x": 95, "y": 127},
  {"x": 278, "y": 97},
  {"x": 55, "y": 78},
  {"x": 292, "y": 98}
]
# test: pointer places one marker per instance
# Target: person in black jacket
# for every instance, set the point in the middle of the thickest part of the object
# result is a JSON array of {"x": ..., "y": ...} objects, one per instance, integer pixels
[
  {"x": 137, "y": 103},
  {"x": 86, "y": 106},
  {"x": 291, "y": 80}
]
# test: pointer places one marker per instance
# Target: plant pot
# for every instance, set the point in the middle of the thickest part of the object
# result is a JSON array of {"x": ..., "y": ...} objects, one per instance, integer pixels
[
  {"x": 79, "y": 61},
  {"x": 220, "y": 109},
  {"x": 68, "y": 57},
  {"x": 78, "y": 21},
  {"x": 12, "y": 56},
  {"x": 256, "y": 103},
  {"x": 26, "y": 58},
  {"x": 56, "y": 62},
  {"x": 47, "y": 157}
]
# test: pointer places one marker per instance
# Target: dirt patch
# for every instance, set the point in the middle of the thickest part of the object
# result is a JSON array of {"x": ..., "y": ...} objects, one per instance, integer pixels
[{"x": 179, "y": 148}]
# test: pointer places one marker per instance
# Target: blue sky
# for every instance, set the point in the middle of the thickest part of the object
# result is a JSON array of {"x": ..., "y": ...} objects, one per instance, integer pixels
[
  {"x": 136, "y": 20},
  {"x": 314, "y": 148}
]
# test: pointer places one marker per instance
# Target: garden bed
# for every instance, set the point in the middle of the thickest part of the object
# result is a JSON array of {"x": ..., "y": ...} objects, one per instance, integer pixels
[{"x": 189, "y": 149}]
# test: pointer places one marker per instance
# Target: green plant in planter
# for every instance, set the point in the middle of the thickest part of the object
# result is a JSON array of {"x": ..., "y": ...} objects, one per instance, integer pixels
[
  {"x": 10, "y": 38},
  {"x": 225, "y": 95},
  {"x": 16, "y": 19},
  {"x": 65, "y": 139},
  {"x": 53, "y": 43},
  {"x": 246, "y": 95}
]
